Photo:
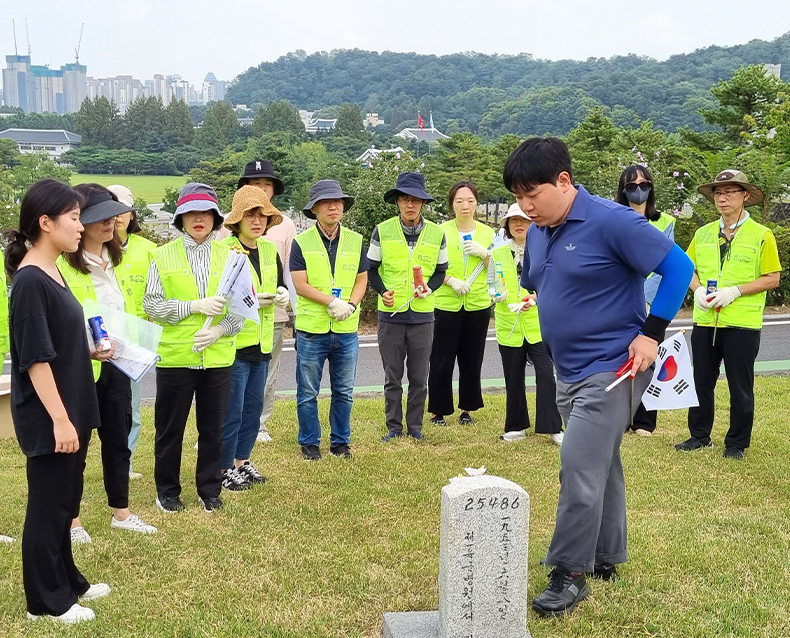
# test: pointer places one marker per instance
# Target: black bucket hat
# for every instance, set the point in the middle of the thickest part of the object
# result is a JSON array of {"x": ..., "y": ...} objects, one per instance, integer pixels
[
  {"x": 102, "y": 206},
  {"x": 261, "y": 168},
  {"x": 326, "y": 189},
  {"x": 408, "y": 184}
]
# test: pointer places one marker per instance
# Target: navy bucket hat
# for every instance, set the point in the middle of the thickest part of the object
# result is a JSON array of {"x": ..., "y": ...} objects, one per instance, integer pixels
[
  {"x": 261, "y": 168},
  {"x": 412, "y": 184},
  {"x": 326, "y": 189}
]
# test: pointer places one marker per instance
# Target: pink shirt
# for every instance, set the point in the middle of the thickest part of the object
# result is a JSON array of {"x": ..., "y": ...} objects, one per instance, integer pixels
[{"x": 283, "y": 236}]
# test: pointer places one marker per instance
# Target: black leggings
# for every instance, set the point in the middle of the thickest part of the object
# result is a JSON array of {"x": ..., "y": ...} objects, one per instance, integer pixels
[{"x": 457, "y": 335}]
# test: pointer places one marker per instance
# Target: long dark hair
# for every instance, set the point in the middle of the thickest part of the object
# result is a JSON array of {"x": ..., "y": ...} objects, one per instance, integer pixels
[
  {"x": 46, "y": 197},
  {"x": 629, "y": 175},
  {"x": 77, "y": 259}
]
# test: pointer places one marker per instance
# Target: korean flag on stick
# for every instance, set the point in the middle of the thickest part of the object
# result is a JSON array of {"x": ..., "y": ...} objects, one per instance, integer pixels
[{"x": 672, "y": 387}]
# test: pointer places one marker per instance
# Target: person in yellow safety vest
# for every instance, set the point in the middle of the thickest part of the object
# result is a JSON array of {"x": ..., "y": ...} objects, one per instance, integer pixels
[
  {"x": 463, "y": 311},
  {"x": 95, "y": 272},
  {"x": 4, "y": 345},
  {"x": 329, "y": 270},
  {"x": 636, "y": 190},
  {"x": 518, "y": 336},
  {"x": 736, "y": 262},
  {"x": 249, "y": 220},
  {"x": 195, "y": 363},
  {"x": 406, "y": 316},
  {"x": 138, "y": 252}
]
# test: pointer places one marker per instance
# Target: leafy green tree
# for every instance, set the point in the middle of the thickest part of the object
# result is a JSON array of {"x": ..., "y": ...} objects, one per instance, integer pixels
[
  {"x": 461, "y": 157},
  {"x": 745, "y": 101},
  {"x": 141, "y": 206},
  {"x": 169, "y": 199},
  {"x": 178, "y": 123},
  {"x": 32, "y": 167},
  {"x": 99, "y": 122},
  {"x": 594, "y": 147},
  {"x": 9, "y": 152},
  {"x": 222, "y": 174},
  {"x": 278, "y": 117},
  {"x": 369, "y": 186},
  {"x": 350, "y": 122},
  {"x": 143, "y": 122},
  {"x": 219, "y": 128}
]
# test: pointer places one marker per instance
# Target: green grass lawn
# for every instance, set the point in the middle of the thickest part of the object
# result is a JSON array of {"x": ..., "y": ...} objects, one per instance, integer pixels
[
  {"x": 151, "y": 188},
  {"x": 324, "y": 548}
]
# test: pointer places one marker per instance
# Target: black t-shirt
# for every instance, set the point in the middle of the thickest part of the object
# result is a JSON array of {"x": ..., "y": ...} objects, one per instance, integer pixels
[
  {"x": 253, "y": 354},
  {"x": 47, "y": 325}
]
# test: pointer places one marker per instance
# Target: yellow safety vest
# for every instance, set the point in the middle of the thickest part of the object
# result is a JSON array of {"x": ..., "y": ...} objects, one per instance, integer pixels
[
  {"x": 178, "y": 282},
  {"x": 5, "y": 345},
  {"x": 397, "y": 262},
  {"x": 137, "y": 258},
  {"x": 82, "y": 288},
  {"x": 477, "y": 298},
  {"x": 259, "y": 333},
  {"x": 528, "y": 323},
  {"x": 313, "y": 317},
  {"x": 741, "y": 266},
  {"x": 663, "y": 222}
]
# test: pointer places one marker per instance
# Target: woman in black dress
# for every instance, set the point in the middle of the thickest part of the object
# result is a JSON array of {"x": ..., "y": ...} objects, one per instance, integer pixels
[{"x": 53, "y": 398}]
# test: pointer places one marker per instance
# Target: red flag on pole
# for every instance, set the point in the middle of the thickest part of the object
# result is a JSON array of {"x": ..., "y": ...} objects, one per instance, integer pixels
[{"x": 420, "y": 122}]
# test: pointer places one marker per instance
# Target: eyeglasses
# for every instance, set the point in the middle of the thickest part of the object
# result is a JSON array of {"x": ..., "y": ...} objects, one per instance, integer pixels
[
  {"x": 632, "y": 186},
  {"x": 729, "y": 193},
  {"x": 408, "y": 199}
]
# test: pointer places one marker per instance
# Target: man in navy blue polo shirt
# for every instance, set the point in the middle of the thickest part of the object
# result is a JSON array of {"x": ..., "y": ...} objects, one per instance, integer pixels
[{"x": 587, "y": 258}]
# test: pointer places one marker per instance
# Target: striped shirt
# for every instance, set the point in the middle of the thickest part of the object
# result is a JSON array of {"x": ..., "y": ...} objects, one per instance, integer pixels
[{"x": 174, "y": 310}]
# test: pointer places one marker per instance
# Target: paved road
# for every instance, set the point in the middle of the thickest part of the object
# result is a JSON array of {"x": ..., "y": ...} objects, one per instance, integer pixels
[{"x": 774, "y": 356}]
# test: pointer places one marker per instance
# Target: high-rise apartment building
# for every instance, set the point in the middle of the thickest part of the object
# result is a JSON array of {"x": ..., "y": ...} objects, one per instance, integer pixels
[{"x": 18, "y": 83}]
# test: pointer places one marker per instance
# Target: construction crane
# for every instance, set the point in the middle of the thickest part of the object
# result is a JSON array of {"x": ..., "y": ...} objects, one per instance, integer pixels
[
  {"x": 13, "y": 27},
  {"x": 77, "y": 50},
  {"x": 27, "y": 35}
]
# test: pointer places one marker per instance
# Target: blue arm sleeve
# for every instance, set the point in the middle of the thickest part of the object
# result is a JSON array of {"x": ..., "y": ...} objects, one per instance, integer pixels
[
  {"x": 653, "y": 281},
  {"x": 676, "y": 271}
]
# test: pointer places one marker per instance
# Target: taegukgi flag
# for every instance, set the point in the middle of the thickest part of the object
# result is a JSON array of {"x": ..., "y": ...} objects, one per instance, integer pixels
[{"x": 672, "y": 386}]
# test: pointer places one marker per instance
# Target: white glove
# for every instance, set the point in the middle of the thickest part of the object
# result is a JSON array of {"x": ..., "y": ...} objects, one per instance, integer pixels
[
  {"x": 422, "y": 292},
  {"x": 282, "y": 298},
  {"x": 336, "y": 308},
  {"x": 206, "y": 338},
  {"x": 342, "y": 312},
  {"x": 498, "y": 298},
  {"x": 474, "y": 249},
  {"x": 265, "y": 299},
  {"x": 459, "y": 287},
  {"x": 724, "y": 297},
  {"x": 701, "y": 298},
  {"x": 210, "y": 306}
]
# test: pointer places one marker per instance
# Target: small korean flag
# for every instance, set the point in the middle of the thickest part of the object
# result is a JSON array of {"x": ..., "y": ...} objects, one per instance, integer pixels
[{"x": 672, "y": 386}]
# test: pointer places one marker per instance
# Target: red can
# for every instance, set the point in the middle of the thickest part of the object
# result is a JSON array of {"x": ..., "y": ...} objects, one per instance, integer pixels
[{"x": 419, "y": 282}]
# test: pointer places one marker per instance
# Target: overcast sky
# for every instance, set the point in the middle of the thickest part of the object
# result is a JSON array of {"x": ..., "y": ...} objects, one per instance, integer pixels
[{"x": 143, "y": 37}]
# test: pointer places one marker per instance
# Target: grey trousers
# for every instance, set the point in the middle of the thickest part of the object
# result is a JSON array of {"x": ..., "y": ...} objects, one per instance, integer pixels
[
  {"x": 591, "y": 518},
  {"x": 401, "y": 343},
  {"x": 271, "y": 379}
]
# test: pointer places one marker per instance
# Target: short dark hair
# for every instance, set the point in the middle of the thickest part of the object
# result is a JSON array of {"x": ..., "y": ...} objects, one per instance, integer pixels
[
  {"x": 464, "y": 183},
  {"x": 46, "y": 197},
  {"x": 77, "y": 259},
  {"x": 537, "y": 160},
  {"x": 178, "y": 222},
  {"x": 629, "y": 175}
]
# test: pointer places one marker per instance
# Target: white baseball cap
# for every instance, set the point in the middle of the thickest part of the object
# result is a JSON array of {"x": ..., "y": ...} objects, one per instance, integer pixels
[{"x": 123, "y": 194}]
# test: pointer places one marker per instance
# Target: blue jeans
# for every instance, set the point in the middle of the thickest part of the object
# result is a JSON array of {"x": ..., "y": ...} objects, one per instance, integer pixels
[
  {"x": 245, "y": 404},
  {"x": 312, "y": 350},
  {"x": 134, "y": 435}
]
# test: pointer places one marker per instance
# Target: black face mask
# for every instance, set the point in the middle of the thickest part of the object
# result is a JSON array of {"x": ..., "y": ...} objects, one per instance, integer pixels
[{"x": 638, "y": 196}]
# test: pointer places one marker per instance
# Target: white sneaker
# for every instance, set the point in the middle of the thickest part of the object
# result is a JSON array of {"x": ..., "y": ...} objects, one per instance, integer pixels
[
  {"x": 642, "y": 432},
  {"x": 99, "y": 590},
  {"x": 513, "y": 436},
  {"x": 133, "y": 523},
  {"x": 557, "y": 438},
  {"x": 6, "y": 539},
  {"x": 263, "y": 437},
  {"x": 80, "y": 537},
  {"x": 134, "y": 475},
  {"x": 76, "y": 614}
]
